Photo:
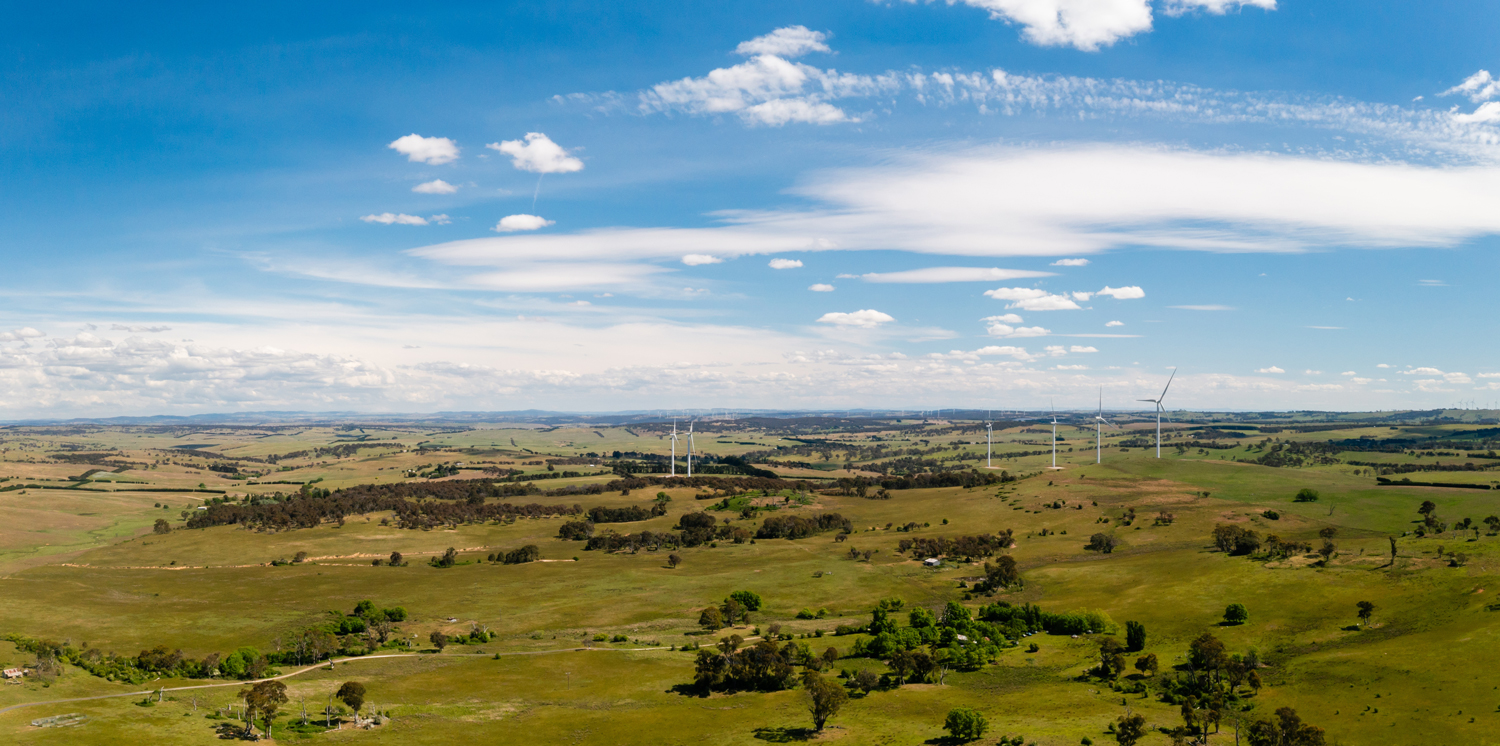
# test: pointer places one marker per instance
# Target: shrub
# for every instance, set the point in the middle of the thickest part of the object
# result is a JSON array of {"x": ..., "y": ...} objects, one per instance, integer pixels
[
  {"x": 1271, "y": 514},
  {"x": 1236, "y": 614},
  {"x": 806, "y": 614},
  {"x": 1306, "y": 495}
]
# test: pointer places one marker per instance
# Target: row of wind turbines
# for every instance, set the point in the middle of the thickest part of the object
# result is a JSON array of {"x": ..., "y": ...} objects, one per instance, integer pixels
[
  {"x": 1099, "y": 423},
  {"x": 989, "y": 433}
]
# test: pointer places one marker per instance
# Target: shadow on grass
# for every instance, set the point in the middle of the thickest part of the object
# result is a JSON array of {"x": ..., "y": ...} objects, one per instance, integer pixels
[
  {"x": 689, "y": 690},
  {"x": 785, "y": 735}
]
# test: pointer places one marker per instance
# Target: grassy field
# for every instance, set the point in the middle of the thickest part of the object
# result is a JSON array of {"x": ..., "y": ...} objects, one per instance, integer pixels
[{"x": 85, "y": 566}]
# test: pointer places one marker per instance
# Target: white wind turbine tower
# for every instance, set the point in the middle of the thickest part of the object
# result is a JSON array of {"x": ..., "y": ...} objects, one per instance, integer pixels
[
  {"x": 989, "y": 431},
  {"x": 1157, "y": 401},
  {"x": 1054, "y": 436},
  {"x": 1099, "y": 423},
  {"x": 690, "y": 448},
  {"x": 674, "y": 448}
]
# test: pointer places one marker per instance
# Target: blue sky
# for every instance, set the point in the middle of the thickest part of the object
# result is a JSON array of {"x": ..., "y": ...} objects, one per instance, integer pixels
[{"x": 987, "y": 203}]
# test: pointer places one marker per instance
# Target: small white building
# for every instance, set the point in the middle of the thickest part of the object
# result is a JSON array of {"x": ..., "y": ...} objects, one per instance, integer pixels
[
  {"x": 932, "y": 562},
  {"x": 14, "y": 673}
]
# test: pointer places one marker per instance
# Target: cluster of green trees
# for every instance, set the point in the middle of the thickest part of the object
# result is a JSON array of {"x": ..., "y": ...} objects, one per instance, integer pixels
[
  {"x": 801, "y": 527},
  {"x": 1237, "y": 540},
  {"x": 735, "y": 610},
  {"x": 626, "y": 514},
  {"x": 528, "y": 553},
  {"x": 967, "y": 547}
]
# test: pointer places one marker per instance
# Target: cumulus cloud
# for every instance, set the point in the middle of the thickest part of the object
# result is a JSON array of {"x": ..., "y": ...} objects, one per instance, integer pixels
[
  {"x": 1128, "y": 292},
  {"x": 1005, "y": 330},
  {"x": 1311, "y": 372},
  {"x": 1071, "y": 263},
  {"x": 1487, "y": 113},
  {"x": 1272, "y": 369},
  {"x": 867, "y": 318},
  {"x": 418, "y": 149},
  {"x": 436, "y": 186},
  {"x": 785, "y": 263},
  {"x": 390, "y": 218},
  {"x": 951, "y": 274},
  {"x": 1115, "y": 323},
  {"x": 538, "y": 154},
  {"x": 521, "y": 222},
  {"x": 1480, "y": 86},
  {"x": 1348, "y": 373},
  {"x": 138, "y": 329},
  {"x": 1081, "y": 348},
  {"x": 694, "y": 260},
  {"x": 16, "y": 335},
  {"x": 769, "y": 88},
  {"x": 820, "y": 288},
  {"x": 1424, "y": 371},
  {"x": 1082, "y": 24},
  {"x": 789, "y": 41},
  {"x": 1005, "y": 318},
  {"x": 1032, "y": 299}
]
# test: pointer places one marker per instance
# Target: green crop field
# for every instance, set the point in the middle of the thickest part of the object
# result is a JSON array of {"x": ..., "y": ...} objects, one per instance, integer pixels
[{"x": 115, "y": 540}]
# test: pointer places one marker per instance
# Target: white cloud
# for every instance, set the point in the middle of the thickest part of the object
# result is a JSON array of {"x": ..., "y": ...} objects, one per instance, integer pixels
[
  {"x": 439, "y": 219},
  {"x": 1080, "y": 295},
  {"x": 1128, "y": 292},
  {"x": 1018, "y": 353},
  {"x": 1070, "y": 367},
  {"x": 136, "y": 329},
  {"x": 1005, "y": 318},
  {"x": 694, "y": 260},
  {"x": 1272, "y": 369},
  {"x": 1071, "y": 263},
  {"x": 1480, "y": 86},
  {"x": 1348, "y": 373},
  {"x": 419, "y": 149},
  {"x": 952, "y": 274},
  {"x": 1056, "y": 350},
  {"x": 1032, "y": 299},
  {"x": 1081, "y": 348},
  {"x": 1481, "y": 375},
  {"x": 820, "y": 288},
  {"x": 1487, "y": 113},
  {"x": 538, "y": 154},
  {"x": 16, "y": 335},
  {"x": 1217, "y": 7},
  {"x": 521, "y": 222},
  {"x": 1083, "y": 24},
  {"x": 785, "y": 263},
  {"x": 436, "y": 186},
  {"x": 1115, "y": 323},
  {"x": 1457, "y": 378},
  {"x": 1382, "y": 365},
  {"x": 1209, "y": 307},
  {"x": 389, "y": 218},
  {"x": 1422, "y": 372},
  {"x": 789, "y": 41},
  {"x": 1005, "y": 330},
  {"x": 1311, "y": 372},
  {"x": 867, "y": 318}
]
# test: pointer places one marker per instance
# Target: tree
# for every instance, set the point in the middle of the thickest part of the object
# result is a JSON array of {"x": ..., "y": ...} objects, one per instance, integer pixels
[
  {"x": 395, "y": 559},
  {"x": 1286, "y": 730},
  {"x": 1147, "y": 664},
  {"x": 733, "y": 610},
  {"x": 439, "y": 640},
  {"x": 1236, "y": 614},
  {"x": 1206, "y": 653},
  {"x": 1102, "y": 543},
  {"x": 827, "y": 698},
  {"x": 352, "y": 693},
  {"x": 1306, "y": 495},
  {"x": 1327, "y": 550},
  {"x": 1328, "y": 532},
  {"x": 1135, "y": 636},
  {"x": 866, "y": 680},
  {"x": 965, "y": 724},
  {"x": 748, "y": 599},
  {"x": 711, "y": 619},
  {"x": 299, "y": 557},
  {"x": 1129, "y": 729},
  {"x": 673, "y": 561},
  {"x": 162, "y": 527},
  {"x": 449, "y": 558},
  {"x": 1002, "y": 574},
  {"x": 264, "y": 699},
  {"x": 1427, "y": 509},
  {"x": 1366, "y": 610},
  {"x": 1254, "y": 681}
]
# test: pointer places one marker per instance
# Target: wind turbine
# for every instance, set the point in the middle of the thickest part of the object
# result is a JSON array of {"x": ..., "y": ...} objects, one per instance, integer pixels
[
  {"x": 1054, "y": 436},
  {"x": 690, "y": 448},
  {"x": 1157, "y": 402},
  {"x": 989, "y": 431},
  {"x": 1099, "y": 423},
  {"x": 674, "y": 449}
]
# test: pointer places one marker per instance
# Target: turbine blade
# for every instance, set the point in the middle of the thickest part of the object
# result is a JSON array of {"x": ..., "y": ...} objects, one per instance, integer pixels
[{"x": 1169, "y": 383}]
